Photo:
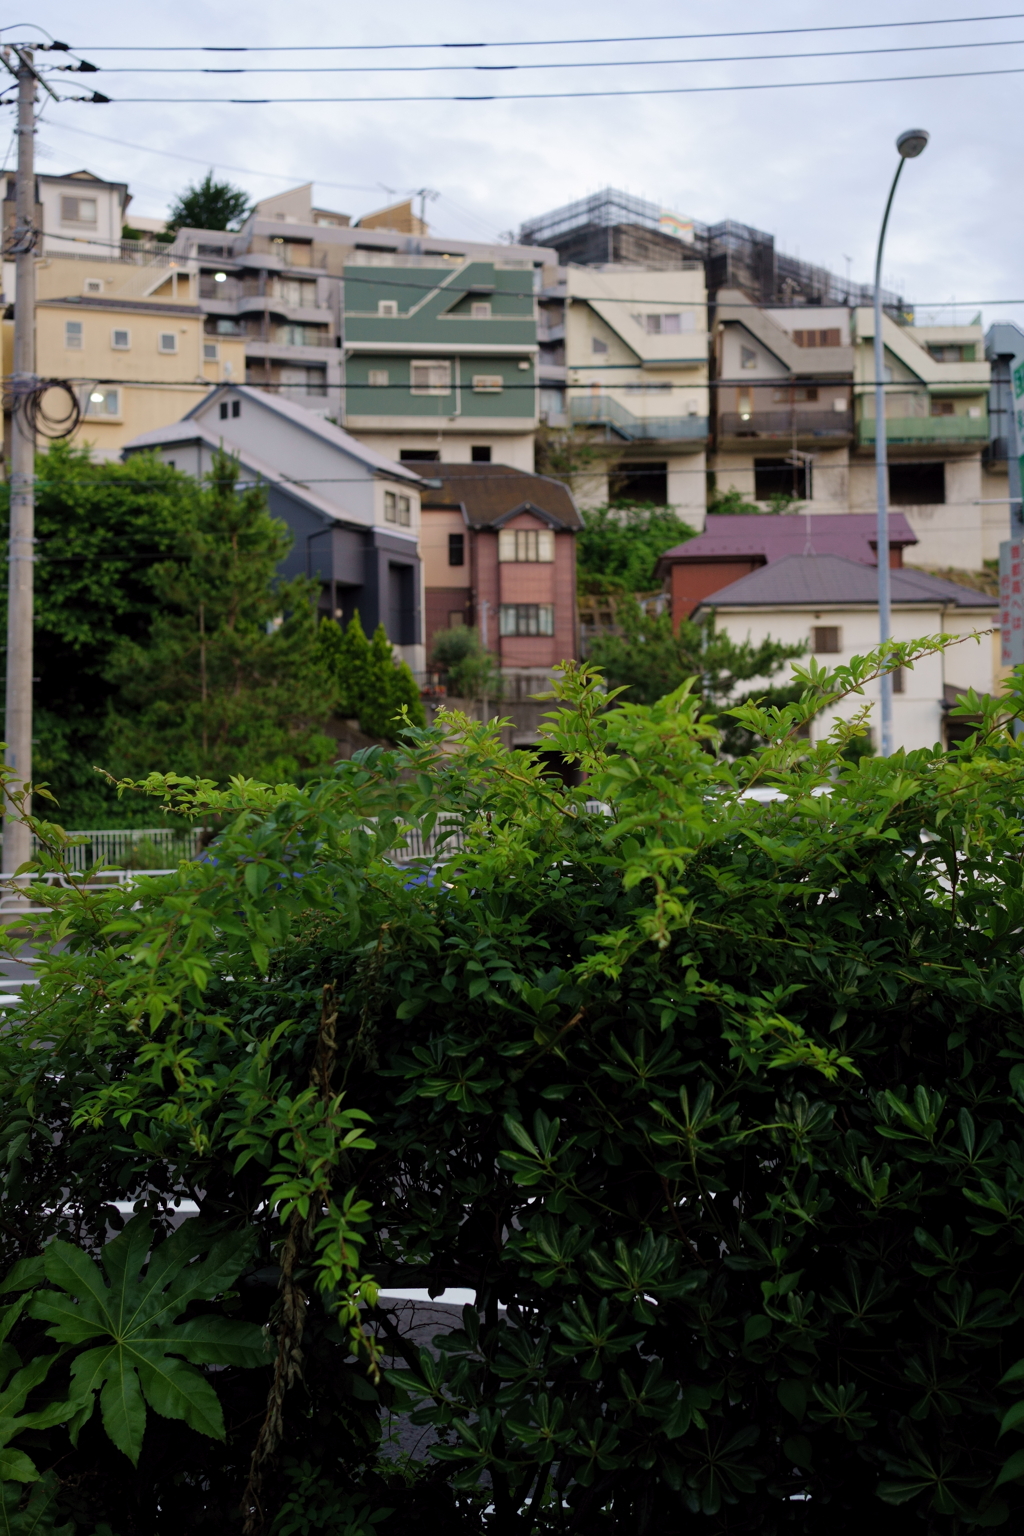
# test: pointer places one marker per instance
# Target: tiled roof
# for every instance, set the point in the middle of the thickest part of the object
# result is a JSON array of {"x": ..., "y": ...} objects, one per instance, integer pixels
[
  {"x": 772, "y": 536},
  {"x": 491, "y": 492},
  {"x": 828, "y": 580}
]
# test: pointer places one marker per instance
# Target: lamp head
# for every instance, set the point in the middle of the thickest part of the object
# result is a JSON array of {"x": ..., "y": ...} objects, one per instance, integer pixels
[{"x": 911, "y": 142}]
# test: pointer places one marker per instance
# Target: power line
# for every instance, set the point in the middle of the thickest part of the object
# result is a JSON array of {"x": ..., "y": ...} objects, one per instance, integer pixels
[
  {"x": 675, "y": 90},
  {"x": 557, "y": 42},
  {"x": 419, "y": 69}
]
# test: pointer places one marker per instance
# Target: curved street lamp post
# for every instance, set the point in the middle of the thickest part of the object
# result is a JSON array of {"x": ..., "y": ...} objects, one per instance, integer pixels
[{"x": 910, "y": 144}]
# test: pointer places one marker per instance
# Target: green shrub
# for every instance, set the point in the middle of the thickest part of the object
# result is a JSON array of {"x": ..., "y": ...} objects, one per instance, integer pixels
[{"x": 715, "y": 1106}]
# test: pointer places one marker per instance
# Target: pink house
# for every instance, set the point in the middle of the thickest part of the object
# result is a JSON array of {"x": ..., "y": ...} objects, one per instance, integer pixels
[{"x": 498, "y": 550}]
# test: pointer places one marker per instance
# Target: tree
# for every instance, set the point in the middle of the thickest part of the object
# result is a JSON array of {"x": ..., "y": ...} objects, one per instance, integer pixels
[
  {"x": 730, "y": 503},
  {"x": 713, "y": 1106},
  {"x": 103, "y": 531},
  {"x": 468, "y": 670},
  {"x": 230, "y": 678},
  {"x": 622, "y": 546},
  {"x": 652, "y": 657},
  {"x": 209, "y": 204},
  {"x": 372, "y": 686}
]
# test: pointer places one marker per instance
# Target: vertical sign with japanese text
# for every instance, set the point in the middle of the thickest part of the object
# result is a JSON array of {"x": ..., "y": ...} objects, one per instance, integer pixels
[{"x": 1011, "y": 603}]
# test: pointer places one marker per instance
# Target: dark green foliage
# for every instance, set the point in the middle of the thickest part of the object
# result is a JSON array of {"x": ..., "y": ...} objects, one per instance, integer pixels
[
  {"x": 731, "y": 504},
  {"x": 650, "y": 659},
  {"x": 209, "y": 204},
  {"x": 102, "y": 530},
  {"x": 468, "y": 671},
  {"x": 620, "y": 546},
  {"x": 714, "y": 1105},
  {"x": 229, "y": 679},
  {"x": 372, "y": 688}
]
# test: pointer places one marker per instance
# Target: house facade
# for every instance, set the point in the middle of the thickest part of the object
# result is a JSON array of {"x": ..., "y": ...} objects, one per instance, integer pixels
[
  {"x": 354, "y": 515},
  {"x": 830, "y": 605},
  {"x": 499, "y": 553}
]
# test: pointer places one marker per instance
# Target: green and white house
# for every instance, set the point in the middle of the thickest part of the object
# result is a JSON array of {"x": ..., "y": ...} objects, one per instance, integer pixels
[{"x": 441, "y": 358}]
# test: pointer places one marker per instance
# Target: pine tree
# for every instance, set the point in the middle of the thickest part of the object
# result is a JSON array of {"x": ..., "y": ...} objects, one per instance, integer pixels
[
  {"x": 231, "y": 678},
  {"x": 371, "y": 688}
]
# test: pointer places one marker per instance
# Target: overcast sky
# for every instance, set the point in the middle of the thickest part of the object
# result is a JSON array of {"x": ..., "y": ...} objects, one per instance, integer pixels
[{"x": 811, "y": 163}]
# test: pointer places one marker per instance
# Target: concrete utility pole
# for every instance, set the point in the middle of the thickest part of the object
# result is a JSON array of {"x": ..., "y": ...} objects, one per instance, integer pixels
[{"x": 17, "y": 847}]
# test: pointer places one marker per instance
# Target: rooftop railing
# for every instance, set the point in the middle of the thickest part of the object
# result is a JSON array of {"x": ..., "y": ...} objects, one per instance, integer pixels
[
  {"x": 785, "y": 425},
  {"x": 604, "y": 411},
  {"x": 927, "y": 429}
]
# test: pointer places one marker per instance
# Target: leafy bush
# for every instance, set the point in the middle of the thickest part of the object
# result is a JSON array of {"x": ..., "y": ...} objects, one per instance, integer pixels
[
  {"x": 620, "y": 546},
  {"x": 714, "y": 1104},
  {"x": 469, "y": 671},
  {"x": 372, "y": 687}
]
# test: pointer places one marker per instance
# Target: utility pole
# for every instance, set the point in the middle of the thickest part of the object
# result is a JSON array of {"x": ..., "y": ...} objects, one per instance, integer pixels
[{"x": 17, "y": 849}]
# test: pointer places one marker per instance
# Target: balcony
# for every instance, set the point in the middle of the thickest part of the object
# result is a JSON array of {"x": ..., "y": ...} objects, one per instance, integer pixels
[
  {"x": 603, "y": 411},
  {"x": 821, "y": 427},
  {"x": 922, "y": 431}
]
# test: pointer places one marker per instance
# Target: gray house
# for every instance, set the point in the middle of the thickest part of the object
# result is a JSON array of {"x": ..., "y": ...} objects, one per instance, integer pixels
[{"x": 354, "y": 514}]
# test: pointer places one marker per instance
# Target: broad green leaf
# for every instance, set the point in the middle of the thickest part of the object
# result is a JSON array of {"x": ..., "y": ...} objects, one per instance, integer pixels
[
  {"x": 37, "y": 1517},
  {"x": 144, "y": 1349}
]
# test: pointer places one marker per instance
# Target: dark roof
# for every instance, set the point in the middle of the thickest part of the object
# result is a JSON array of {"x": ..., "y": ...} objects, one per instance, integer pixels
[
  {"x": 772, "y": 536},
  {"x": 816, "y": 581},
  {"x": 491, "y": 493},
  {"x": 126, "y": 306}
]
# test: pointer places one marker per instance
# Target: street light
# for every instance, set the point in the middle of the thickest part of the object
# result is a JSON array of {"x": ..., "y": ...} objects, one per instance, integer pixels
[{"x": 910, "y": 144}]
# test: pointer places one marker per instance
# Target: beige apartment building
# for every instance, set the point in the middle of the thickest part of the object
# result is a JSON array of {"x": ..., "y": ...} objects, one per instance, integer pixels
[{"x": 795, "y": 416}]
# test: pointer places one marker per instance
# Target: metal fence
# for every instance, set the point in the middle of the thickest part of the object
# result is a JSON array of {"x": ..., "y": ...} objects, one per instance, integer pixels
[{"x": 130, "y": 848}]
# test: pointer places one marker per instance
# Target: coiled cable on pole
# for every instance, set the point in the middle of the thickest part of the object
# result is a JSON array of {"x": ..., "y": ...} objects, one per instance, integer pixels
[{"x": 24, "y": 397}]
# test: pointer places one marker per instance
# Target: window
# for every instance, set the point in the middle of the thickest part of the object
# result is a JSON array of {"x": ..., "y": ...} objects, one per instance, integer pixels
[
  {"x": 78, "y": 210},
  {"x": 456, "y": 549},
  {"x": 397, "y": 509},
  {"x": 598, "y": 346},
  {"x": 526, "y": 619},
  {"x": 211, "y": 351},
  {"x": 431, "y": 378},
  {"x": 748, "y": 357},
  {"x": 419, "y": 456},
  {"x": 898, "y": 680},
  {"x": 93, "y": 285},
  {"x": 480, "y": 453},
  {"x": 120, "y": 340},
  {"x": 387, "y": 307},
  {"x": 103, "y": 402},
  {"x": 526, "y": 544},
  {"x": 378, "y": 378},
  {"x": 917, "y": 485},
  {"x": 223, "y": 327},
  {"x": 236, "y": 407},
  {"x": 167, "y": 342},
  {"x": 943, "y": 408},
  {"x": 73, "y": 335},
  {"x": 647, "y": 389},
  {"x": 632, "y": 483},
  {"x": 480, "y": 311},
  {"x": 664, "y": 325},
  {"x": 224, "y": 410},
  {"x": 777, "y": 477},
  {"x": 825, "y": 639},
  {"x": 798, "y": 394},
  {"x": 827, "y": 338},
  {"x": 456, "y": 618},
  {"x": 487, "y": 383},
  {"x": 945, "y": 353}
]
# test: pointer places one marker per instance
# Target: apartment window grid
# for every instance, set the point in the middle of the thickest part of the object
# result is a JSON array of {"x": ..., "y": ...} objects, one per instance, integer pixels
[
  {"x": 387, "y": 308},
  {"x": 526, "y": 619},
  {"x": 665, "y": 324},
  {"x": 93, "y": 285},
  {"x": 73, "y": 333},
  {"x": 211, "y": 352},
  {"x": 430, "y": 378},
  {"x": 378, "y": 378},
  {"x": 526, "y": 545},
  {"x": 598, "y": 346},
  {"x": 826, "y": 639},
  {"x": 230, "y": 408},
  {"x": 943, "y": 408},
  {"x": 748, "y": 357},
  {"x": 488, "y": 383},
  {"x": 480, "y": 310},
  {"x": 167, "y": 342},
  {"x": 397, "y": 509},
  {"x": 456, "y": 549},
  {"x": 120, "y": 340}
]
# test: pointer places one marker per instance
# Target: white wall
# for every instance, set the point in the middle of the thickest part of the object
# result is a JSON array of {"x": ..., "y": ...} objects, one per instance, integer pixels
[
  {"x": 917, "y": 712},
  {"x": 516, "y": 450}
]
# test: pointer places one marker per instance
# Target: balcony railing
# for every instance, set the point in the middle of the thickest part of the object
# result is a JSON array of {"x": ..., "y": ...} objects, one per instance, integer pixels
[
  {"x": 603, "y": 411},
  {"x": 927, "y": 429},
  {"x": 785, "y": 425}
]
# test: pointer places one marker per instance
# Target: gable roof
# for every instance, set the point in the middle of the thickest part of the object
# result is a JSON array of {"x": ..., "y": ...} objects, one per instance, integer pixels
[
  {"x": 326, "y": 431},
  {"x": 186, "y": 432},
  {"x": 489, "y": 494},
  {"x": 772, "y": 536},
  {"x": 820, "y": 581}
]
